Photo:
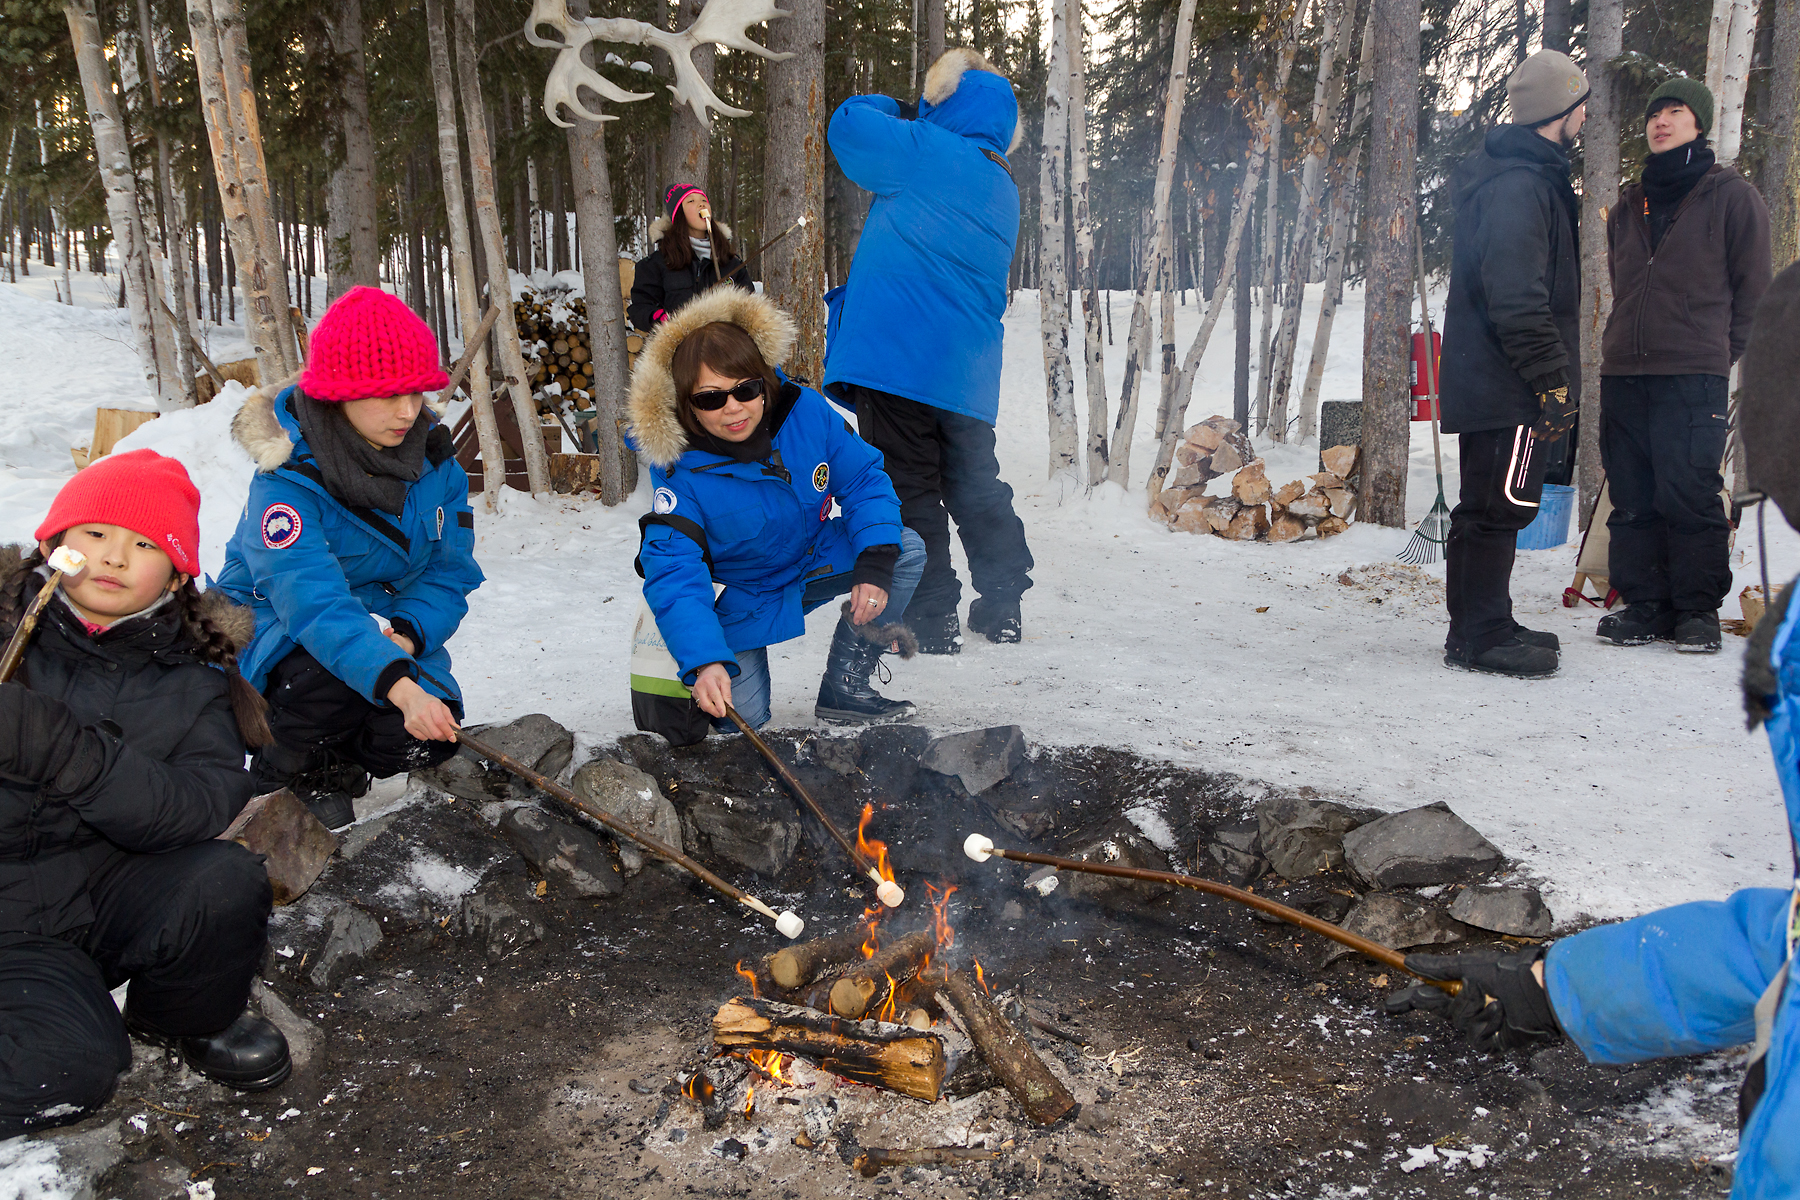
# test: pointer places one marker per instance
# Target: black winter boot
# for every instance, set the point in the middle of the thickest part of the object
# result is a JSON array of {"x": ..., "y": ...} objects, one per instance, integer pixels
[
  {"x": 1637, "y": 624},
  {"x": 1534, "y": 637},
  {"x": 1696, "y": 633},
  {"x": 937, "y": 635},
  {"x": 1513, "y": 657},
  {"x": 328, "y": 785},
  {"x": 845, "y": 697},
  {"x": 996, "y": 620},
  {"x": 248, "y": 1055}
]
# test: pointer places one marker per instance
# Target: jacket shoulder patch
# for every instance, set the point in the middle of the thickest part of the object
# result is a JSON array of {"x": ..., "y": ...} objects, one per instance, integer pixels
[
  {"x": 821, "y": 477},
  {"x": 281, "y": 526}
]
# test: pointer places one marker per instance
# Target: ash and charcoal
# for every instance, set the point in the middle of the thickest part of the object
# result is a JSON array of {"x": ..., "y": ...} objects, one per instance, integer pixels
[{"x": 479, "y": 1018}]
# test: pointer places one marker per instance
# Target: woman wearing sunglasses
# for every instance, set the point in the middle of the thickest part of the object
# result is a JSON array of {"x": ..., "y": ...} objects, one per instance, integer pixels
[{"x": 747, "y": 466}]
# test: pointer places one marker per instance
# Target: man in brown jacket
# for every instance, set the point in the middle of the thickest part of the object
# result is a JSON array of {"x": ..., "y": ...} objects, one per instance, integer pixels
[{"x": 1688, "y": 246}]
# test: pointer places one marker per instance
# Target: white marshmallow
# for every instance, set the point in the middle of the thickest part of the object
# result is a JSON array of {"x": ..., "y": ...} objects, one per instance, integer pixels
[
  {"x": 978, "y": 847},
  {"x": 890, "y": 894},
  {"x": 789, "y": 925},
  {"x": 69, "y": 562}
]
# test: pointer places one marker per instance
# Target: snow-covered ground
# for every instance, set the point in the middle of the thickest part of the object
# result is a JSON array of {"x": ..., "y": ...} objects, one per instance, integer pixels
[{"x": 1624, "y": 783}]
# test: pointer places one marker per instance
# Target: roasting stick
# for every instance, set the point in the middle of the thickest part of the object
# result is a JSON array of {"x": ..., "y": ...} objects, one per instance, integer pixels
[
  {"x": 981, "y": 848},
  {"x": 63, "y": 561},
  {"x": 787, "y": 923},
  {"x": 886, "y": 890}
]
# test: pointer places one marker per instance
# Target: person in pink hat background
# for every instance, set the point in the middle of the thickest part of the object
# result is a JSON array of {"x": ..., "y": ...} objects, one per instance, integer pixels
[{"x": 356, "y": 552}]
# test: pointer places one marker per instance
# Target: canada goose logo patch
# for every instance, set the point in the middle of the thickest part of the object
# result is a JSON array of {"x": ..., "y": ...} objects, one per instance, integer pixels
[
  {"x": 280, "y": 526},
  {"x": 664, "y": 501},
  {"x": 821, "y": 477}
]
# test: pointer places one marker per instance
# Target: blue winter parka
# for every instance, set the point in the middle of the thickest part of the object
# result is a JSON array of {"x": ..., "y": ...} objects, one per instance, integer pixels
[
  {"x": 920, "y": 314},
  {"x": 315, "y": 572},
  {"x": 1687, "y": 979}
]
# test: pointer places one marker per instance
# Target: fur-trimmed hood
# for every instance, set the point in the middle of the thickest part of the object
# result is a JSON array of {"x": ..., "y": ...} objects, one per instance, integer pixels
[
  {"x": 650, "y": 410},
  {"x": 259, "y": 431},
  {"x": 980, "y": 110},
  {"x": 661, "y": 225},
  {"x": 236, "y": 623}
]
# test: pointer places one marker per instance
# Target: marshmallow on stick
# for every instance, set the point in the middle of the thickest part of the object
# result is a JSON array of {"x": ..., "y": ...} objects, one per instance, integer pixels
[{"x": 63, "y": 561}]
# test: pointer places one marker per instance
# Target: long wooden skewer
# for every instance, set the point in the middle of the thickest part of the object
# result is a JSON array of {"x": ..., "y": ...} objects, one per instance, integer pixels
[
  {"x": 787, "y": 923},
  {"x": 468, "y": 355},
  {"x": 981, "y": 848},
  {"x": 63, "y": 561},
  {"x": 889, "y": 892}
]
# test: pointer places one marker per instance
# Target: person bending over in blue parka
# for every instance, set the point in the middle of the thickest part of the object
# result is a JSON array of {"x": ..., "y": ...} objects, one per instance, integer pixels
[
  {"x": 359, "y": 510},
  {"x": 747, "y": 466},
  {"x": 1704, "y": 976}
]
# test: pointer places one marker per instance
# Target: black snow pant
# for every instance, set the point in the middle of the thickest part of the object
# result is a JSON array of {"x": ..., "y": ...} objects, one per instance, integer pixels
[
  {"x": 187, "y": 928},
  {"x": 942, "y": 465},
  {"x": 1502, "y": 482},
  {"x": 318, "y": 719},
  {"x": 1662, "y": 438}
]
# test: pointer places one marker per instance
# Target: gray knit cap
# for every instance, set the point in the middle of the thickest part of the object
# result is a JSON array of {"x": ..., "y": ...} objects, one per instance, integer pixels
[{"x": 1544, "y": 87}]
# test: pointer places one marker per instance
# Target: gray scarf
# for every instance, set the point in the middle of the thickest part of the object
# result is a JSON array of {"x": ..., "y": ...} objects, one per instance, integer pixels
[
  {"x": 702, "y": 246},
  {"x": 357, "y": 473}
]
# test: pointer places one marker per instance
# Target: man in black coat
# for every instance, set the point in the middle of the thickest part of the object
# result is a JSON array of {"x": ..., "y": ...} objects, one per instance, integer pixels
[{"x": 1511, "y": 368}]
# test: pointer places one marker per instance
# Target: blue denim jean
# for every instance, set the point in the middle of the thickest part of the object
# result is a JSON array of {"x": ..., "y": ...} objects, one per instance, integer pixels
[{"x": 750, "y": 690}]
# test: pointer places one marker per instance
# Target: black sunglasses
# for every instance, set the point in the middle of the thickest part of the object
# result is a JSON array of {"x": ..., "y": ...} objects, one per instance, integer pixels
[{"x": 713, "y": 399}]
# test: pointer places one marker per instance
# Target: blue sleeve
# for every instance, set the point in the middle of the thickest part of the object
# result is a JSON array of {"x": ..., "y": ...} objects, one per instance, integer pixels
[
  {"x": 435, "y": 603},
  {"x": 679, "y": 590},
  {"x": 874, "y": 145},
  {"x": 306, "y": 587},
  {"x": 1681, "y": 980},
  {"x": 862, "y": 487}
]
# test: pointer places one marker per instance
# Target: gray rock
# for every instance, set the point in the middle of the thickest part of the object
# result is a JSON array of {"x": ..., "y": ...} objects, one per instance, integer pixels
[
  {"x": 1397, "y": 921},
  {"x": 566, "y": 855},
  {"x": 1302, "y": 837},
  {"x": 1118, "y": 844},
  {"x": 1236, "y": 867},
  {"x": 352, "y": 935},
  {"x": 159, "y": 1178},
  {"x": 84, "y": 1156},
  {"x": 757, "y": 832},
  {"x": 841, "y": 756},
  {"x": 1094, "y": 1117},
  {"x": 1245, "y": 836},
  {"x": 301, "y": 1034},
  {"x": 1518, "y": 911},
  {"x": 980, "y": 758},
  {"x": 503, "y": 922},
  {"x": 1417, "y": 848},
  {"x": 534, "y": 740},
  {"x": 634, "y": 797}
]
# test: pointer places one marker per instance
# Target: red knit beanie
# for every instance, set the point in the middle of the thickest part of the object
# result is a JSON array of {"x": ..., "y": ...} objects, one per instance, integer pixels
[
  {"x": 139, "y": 490},
  {"x": 370, "y": 344}
]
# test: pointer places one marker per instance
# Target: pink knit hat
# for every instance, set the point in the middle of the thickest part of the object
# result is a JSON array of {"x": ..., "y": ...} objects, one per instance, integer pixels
[{"x": 370, "y": 344}]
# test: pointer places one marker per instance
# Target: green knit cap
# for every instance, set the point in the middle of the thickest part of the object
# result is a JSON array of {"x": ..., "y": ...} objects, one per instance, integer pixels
[{"x": 1690, "y": 92}]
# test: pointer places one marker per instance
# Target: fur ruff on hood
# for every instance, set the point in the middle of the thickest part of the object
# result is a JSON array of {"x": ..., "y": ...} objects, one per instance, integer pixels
[
  {"x": 945, "y": 76},
  {"x": 660, "y": 226},
  {"x": 235, "y": 622},
  {"x": 259, "y": 431},
  {"x": 650, "y": 410}
]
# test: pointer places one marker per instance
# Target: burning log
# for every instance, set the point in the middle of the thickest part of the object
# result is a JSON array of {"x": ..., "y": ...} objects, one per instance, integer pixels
[
  {"x": 874, "y": 1160},
  {"x": 1008, "y": 1054},
  {"x": 796, "y": 966},
  {"x": 891, "y": 1056},
  {"x": 867, "y": 982}
]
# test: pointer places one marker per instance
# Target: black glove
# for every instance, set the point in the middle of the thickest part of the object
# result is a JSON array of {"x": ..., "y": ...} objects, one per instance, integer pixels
[
  {"x": 1556, "y": 412},
  {"x": 42, "y": 742},
  {"x": 1501, "y": 1006},
  {"x": 909, "y": 110}
]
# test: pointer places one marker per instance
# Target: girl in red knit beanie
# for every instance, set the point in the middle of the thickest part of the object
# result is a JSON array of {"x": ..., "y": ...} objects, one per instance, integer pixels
[{"x": 122, "y": 744}]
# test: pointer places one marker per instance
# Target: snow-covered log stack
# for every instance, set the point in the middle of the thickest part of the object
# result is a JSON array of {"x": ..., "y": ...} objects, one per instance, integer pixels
[
  {"x": 1322, "y": 504},
  {"x": 553, "y": 333}
]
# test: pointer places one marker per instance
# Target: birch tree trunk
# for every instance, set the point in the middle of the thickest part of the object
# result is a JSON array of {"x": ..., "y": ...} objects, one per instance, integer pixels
[
  {"x": 1782, "y": 168},
  {"x": 487, "y": 213},
  {"x": 462, "y": 259},
  {"x": 1599, "y": 193},
  {"x": 228, "y": 102},
  {"x": 149, "y": 330},
  {"x": 1086, "y": 277},
  {"x": 605, "y": 309},
  {"x": 534, "y": 209},
  {"x": 1053, "y": 274},
  {"x": 1159, "y": 252},
  {"x": 1729, "y": 43},
  {"x": 1387, "y": 311},
  {"x": 172, "y": 219},
  {"x": 353, "y": 242},
  {"x": 934, "y": 31},
  {"x": 1271, "y": 240},
  {"x": 793, "y": 269},
  {"x": 686, "y": 151}
]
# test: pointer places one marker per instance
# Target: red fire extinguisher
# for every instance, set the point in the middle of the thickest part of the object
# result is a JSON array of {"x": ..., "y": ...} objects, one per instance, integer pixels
[{"x": 1423, "y": 387}]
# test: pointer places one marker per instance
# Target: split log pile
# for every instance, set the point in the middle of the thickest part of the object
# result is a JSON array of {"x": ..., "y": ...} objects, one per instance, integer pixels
[
  {"x": 1252, "y": 509},
  {"x": 553, "y": 333}
]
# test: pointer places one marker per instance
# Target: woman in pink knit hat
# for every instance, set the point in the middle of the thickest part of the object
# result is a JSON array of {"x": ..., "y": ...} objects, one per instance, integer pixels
[{"x": 356, "y": 552}]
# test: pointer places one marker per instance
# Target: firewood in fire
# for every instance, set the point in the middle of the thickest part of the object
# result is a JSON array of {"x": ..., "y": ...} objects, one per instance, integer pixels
[
  {"x": 1021, "y": 1071},
  {"x": 874, "y": 1159},
  {"x": 796, "y": 966},
  {"x": 865, "y": 983},
  {"x": 890, "y": 1056}
]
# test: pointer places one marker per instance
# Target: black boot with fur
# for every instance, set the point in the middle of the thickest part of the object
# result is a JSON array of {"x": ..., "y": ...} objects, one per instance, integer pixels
[{"x": 845, "y": 697}]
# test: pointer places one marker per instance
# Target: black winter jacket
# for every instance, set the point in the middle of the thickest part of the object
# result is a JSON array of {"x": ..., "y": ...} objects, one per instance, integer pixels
[
  {"x": 1513, "y": 317},
  {"x": 173, "y": 773},
  {"x": 657, "y": 291}
]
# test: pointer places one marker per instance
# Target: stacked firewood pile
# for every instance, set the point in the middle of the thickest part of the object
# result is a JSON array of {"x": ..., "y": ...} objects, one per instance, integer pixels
[
  {"x": 1321, "y": 505},
  {"x": 553, "y": 333}
]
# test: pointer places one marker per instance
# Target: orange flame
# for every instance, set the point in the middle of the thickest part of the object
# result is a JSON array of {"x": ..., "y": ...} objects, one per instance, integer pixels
[
  {"x": 699, "y": 1088},
  {"x": 981, "y": 978},
  {"x": 770, "y": 1063},
  {"x": 876, "y": 852},
  {"x": 747, "y": 974},
  {"x": 750, "y": 1101},
  {"x": 886, "y": 1011}
]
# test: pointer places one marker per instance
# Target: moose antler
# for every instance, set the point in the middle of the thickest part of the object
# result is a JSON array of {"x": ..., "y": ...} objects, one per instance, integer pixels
[{"x": 724, "y": 22}]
